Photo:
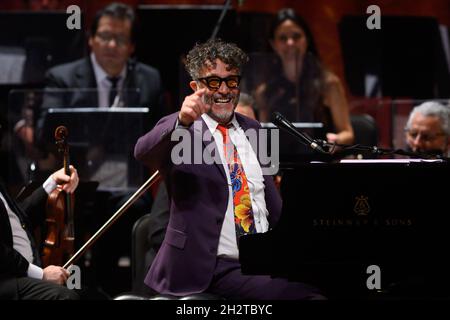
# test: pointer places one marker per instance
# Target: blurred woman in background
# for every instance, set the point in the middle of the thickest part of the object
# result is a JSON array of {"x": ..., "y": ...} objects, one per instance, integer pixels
[{"x": 299, "y": 87}]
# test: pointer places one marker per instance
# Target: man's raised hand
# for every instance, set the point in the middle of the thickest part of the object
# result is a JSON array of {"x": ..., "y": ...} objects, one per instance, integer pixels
[{"x": 193, "y": 107}]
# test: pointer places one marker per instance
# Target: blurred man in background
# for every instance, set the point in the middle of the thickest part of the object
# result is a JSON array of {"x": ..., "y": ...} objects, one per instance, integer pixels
[{"x": 428, "y": 128}]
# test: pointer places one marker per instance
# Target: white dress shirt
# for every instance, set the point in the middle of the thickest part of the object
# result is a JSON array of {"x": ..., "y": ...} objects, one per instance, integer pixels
[
  {"x": 227, "y": 242},
  {"x": 103, "y": 84}
]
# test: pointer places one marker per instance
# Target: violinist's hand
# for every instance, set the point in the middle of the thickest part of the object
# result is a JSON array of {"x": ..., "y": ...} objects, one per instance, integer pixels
[
  {"x": 193, "y": 107},
  {"x": 55, "y": 274},
  {"x": 69, "y": 183}
]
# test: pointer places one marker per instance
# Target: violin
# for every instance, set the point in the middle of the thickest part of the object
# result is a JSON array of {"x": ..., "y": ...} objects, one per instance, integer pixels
[
  {"x": 60, "y": 236},
  {"x": 59, "y": 243}
]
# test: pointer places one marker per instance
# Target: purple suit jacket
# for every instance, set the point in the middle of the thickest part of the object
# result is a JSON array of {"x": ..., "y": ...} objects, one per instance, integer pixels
[{"x": 198, "y": 195}]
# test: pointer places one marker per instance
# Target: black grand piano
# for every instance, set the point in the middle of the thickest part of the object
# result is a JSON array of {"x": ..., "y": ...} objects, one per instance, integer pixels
[{"x": 340, "y": 219}]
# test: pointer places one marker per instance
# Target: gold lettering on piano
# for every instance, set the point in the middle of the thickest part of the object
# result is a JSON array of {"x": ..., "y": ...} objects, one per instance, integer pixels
[
  {"x": 358, "y": 222},
  {"x": 398, "y": 222},
  {"x": 347, "y": 222},
  {"x": 362, "y": 207}
]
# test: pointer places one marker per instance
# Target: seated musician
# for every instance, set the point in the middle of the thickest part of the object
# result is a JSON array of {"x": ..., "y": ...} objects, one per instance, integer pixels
[
  {"x": 212, "y": 205},
  {"x": 428, "y": 128},
  {"x": 21, "y": 276},
  {"x": 246, "y": 105}
]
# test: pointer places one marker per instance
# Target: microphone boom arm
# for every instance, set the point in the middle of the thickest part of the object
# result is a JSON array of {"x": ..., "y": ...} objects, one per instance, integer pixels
[{"x": 281, "y": 122}]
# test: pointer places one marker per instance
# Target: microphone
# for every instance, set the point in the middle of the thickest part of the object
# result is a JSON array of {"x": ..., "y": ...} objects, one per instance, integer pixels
[{"x": 281, "y": 122}]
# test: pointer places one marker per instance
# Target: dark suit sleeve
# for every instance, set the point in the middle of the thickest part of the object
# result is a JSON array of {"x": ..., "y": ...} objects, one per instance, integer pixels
[
  {"x": 153, "y": 149},
  {"x": 12, "y": 262},
  {"x": 151, "y": 93},
  {"x": 160, "y": 218},
  {"x": 34, "y": 206},
  {"x": 53, "y": 80}
]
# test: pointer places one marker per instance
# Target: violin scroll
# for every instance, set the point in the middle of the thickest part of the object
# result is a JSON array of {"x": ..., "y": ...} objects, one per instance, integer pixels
[{"x": 59, "y": 242}]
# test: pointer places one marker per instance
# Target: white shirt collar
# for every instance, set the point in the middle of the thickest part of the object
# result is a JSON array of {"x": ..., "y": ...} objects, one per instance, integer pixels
[
  {"x": 100, "y": 74},
  {"x": 212, "y": 124}
]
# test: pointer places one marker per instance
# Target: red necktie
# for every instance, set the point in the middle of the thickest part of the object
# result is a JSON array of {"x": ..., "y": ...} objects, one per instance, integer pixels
[{"x": 243, "y": 213}]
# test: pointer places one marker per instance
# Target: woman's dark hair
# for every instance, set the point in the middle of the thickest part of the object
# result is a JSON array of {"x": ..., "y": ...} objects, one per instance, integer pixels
[
  {"x": 116, "y": 10},
  {"x": 289, "y": 14},
  {"x": 311, "y": 83}
]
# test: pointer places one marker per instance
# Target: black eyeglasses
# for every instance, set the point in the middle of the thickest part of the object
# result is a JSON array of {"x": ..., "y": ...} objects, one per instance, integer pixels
[
  {"x": 427, "y": 137},
  {"x": 106, "y": 37},
  {"x": 214, "y": 82}
]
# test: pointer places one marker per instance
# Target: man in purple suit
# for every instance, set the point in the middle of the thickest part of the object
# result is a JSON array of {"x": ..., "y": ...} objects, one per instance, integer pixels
[{"x": 200, "y": 252}]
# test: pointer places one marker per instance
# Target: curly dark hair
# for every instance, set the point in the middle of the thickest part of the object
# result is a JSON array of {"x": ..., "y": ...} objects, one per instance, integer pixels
[{"x": 205, "y": 55}]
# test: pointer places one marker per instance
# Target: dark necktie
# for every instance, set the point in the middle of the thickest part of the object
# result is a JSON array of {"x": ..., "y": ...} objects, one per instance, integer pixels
[
  {"x": 242, "y": 204},
  {"x": 113, "y": 91}
]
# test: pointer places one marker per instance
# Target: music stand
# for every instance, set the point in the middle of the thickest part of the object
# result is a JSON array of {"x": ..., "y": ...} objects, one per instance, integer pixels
[{"x": 291, "y": 150}]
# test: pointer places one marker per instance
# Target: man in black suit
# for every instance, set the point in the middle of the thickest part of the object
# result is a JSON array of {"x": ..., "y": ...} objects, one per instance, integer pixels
[
  {"x": 109, "y": 68},
  {"x": 107, "y": 77},
  {"x": 21, "y": 277}
]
